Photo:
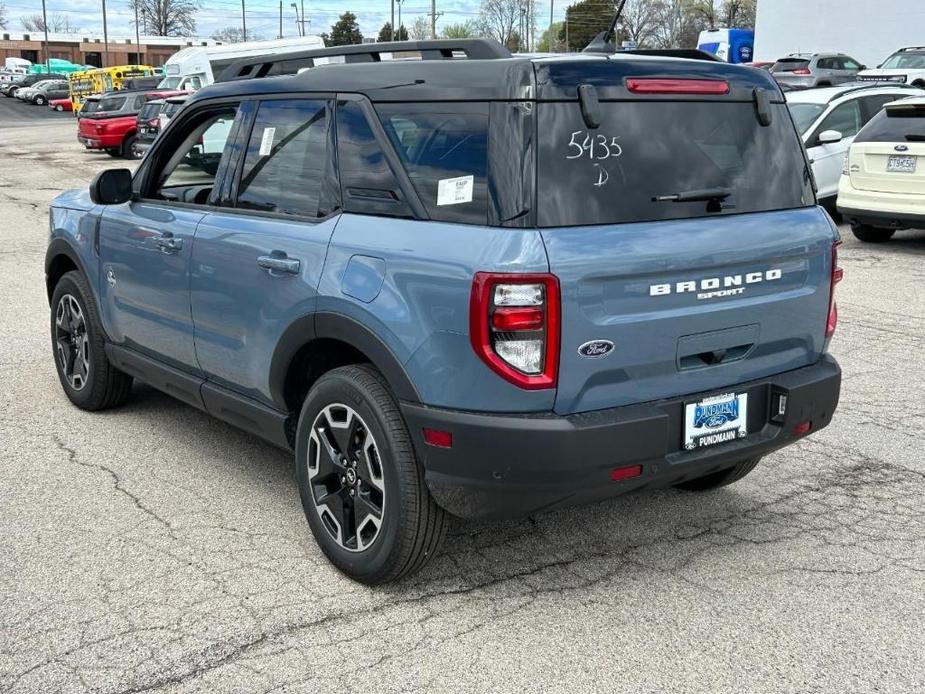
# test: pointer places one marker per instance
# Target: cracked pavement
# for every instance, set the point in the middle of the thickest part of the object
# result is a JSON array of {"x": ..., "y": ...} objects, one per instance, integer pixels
[{"x": 153, "y": 549}]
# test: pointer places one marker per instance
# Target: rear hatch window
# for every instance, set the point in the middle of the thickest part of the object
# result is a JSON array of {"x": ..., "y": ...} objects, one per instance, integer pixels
[
  {"x": 790, "y": 65},
  {"x": 149, "y": 110},
  {"x": 900, "y": 123},
  {"x": 647, "y": 158}
]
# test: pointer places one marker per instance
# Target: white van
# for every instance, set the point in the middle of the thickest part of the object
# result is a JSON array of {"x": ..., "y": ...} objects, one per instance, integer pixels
[{"x": 198, "y": 66}]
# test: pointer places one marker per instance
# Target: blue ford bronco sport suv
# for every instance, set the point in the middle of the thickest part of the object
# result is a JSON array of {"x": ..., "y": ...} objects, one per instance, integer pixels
[{"x": 471, "y": 283}]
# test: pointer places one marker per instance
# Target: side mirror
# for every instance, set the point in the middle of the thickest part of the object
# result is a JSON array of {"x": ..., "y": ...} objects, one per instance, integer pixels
[
  {"x": 863, "y": 67},
  {"x": 829, "y": 137},
  {"x": 111, "y": 187}
]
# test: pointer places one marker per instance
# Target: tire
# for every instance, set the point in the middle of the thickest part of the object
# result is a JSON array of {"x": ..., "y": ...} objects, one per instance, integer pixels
[
  {"x": 869, "y": 234},
  {"x": 39, "y": 101},
  {"x": 114, "y": 151},
  {"x": 59, "y": 108},
  {"x": 128, "y": 147},
  {"x": 715, "y": 480},
  {"x": 385, "y": 476},
  {"x": 100, "y": 385}
]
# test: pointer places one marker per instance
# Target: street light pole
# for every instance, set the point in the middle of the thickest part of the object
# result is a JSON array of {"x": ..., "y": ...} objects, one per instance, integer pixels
[
  {"x": 137, "y": 38},
  {"x": 45, "y": 23},
  {"x": 105, "y": 37},
  {"x": 399, "y": 18},
  {"x": 303, "y": 17},
  {"x": 280, "y": 19},
  {"x": 392, "y": 23},
  {"x": 243, "y": 21},
  {"x": 298, "y": 24}
]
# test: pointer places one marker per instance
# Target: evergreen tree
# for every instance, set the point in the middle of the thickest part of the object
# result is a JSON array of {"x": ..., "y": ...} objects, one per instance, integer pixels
[
  {"x": 385, "y": 33},
  {"x": 346, "y": 31}
]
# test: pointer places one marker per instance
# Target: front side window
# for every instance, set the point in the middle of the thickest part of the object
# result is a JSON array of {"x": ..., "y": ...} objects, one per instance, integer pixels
[
  {"x": 286, "y": 160},
  {"x": 846, "y": 119},
  {"x": 905, "y": 61},
  {"x": 186, "y": 173},
  {"x": 444, "y": 148},
  {"x": 804, "y": 115},
  {"x": 640, "y": 165}
]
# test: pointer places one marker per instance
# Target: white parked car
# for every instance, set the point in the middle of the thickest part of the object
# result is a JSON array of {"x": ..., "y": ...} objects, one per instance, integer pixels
[
  {"x": 883, "y": 186},
  {"x": 828, "y": 120},
  {"x": 906, "y": 66}
]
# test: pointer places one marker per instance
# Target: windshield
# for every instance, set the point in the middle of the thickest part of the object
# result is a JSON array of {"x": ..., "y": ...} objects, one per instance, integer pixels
[
  {"x": 804, "y": 115},
  {"x": 905, "y": 61},
  {"x": 789, "y": 65},
  {"x": 169, "y": 83},
  {"x": 641, "y": 165},
  {"x": 111, "y": 103}
]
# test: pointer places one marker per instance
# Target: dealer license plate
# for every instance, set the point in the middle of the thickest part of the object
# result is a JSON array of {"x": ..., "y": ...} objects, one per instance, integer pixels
[
  {"x": 901, "y": 163},
  {"x": 714, "y": 420}
]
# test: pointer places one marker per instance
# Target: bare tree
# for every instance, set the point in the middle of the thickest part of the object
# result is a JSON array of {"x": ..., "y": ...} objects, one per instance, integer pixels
[
  {"x": 2, "y": 15},
  {"x": 420, "y": 29},
  {"x": 499, "y": 19},
  {"x": 167, "y": 17},
  {"x": 233, "y": 34},
  {"x": 640, "y": 21},
  {"x": 57, "y": 23}
]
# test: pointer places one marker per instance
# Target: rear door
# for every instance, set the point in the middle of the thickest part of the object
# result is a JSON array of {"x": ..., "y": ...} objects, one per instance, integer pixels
[
  {"x": 889, "y": 153},
  {"x": 691, "y": 296}
]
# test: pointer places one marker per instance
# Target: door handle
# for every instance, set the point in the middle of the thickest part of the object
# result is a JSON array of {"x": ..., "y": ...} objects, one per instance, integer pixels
[
  {"x": 168, "y": 243},
  {"x": 279, "y": 262}
]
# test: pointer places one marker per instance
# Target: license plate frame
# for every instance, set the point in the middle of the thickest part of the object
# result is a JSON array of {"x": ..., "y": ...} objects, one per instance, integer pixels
[
  {"x": 715, "y": 420},
  {"x": 901, "y": 163}
]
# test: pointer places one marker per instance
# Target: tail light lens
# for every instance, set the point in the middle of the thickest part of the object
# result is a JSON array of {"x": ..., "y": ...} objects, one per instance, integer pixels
[
  {"x": 803, "y": 71},
  {"x": 514, "y": 325},
  {"x": 154, "y": 122},
  {"x": 837, "y": 274}
]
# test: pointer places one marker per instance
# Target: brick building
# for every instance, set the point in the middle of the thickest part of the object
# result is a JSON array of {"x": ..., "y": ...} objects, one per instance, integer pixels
[{"x": 90, "y": 49}]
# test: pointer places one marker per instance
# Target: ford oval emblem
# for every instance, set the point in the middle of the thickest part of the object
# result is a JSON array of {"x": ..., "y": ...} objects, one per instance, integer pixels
[
  {"x": 901, "y": 148},
  {"x": 594, "y": 349}
]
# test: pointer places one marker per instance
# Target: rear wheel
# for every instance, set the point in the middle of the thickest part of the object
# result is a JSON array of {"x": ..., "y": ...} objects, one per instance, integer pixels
[
  {"x": 39, "y": 100},
  {"x": 869, "y": 234},
  {"x": 128, "y": 147},
  {"x": 79, "y": 348},
  {"x": 114, "y": 151},
  {"x": 59, "y": 108},
  {"x": 722, "y": 478},
  {"x": 362, "y": 488}
]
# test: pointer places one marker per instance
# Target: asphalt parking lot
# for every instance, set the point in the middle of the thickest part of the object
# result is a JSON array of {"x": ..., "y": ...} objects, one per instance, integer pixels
[{"x": 152, "y": 548}]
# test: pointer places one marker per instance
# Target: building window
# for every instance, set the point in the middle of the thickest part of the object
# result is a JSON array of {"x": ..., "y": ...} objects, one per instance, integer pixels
[
  {"x": 31, "y": 56},
  {"x": 93, "y": 59},
  {"x": 135, "y": 58}
]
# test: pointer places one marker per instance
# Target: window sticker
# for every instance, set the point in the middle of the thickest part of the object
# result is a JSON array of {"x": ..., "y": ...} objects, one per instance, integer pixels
[
  {"x": 266, "y": 143},
  {"x": 453, "y": 191}
]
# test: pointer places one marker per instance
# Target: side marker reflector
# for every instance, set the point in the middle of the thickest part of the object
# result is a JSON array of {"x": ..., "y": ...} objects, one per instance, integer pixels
[
  {"x": 618, "y": 474},
  {"x": 438, "y": 438}
]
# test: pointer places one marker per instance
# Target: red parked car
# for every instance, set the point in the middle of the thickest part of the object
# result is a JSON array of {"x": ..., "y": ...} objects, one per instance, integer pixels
[
  {"x": 112, "y": 126},
  {"x": 61, "y": 105}
]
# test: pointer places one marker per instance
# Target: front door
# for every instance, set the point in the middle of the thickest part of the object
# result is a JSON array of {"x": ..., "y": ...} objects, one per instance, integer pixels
[
  {"x": 829, "y": 158},
  {"x": 145, "y": 245},
  {"x": 256, "y": 266}
]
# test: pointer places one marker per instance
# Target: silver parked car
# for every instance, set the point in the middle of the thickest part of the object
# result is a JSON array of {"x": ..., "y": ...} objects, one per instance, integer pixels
[{"x": 806, "y": 70}]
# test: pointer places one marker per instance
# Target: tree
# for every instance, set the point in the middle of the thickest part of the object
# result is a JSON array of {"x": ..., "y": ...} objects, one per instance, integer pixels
[
  {"x": 585, "y": 20},
  {"x": 167, "y": 17},
  {"x": 420, "y": 30},
  {"x": 465, "y": 30},
  {"x": 234, "y": 34},
  {"x": 345, "y": 32},
  {"x": 2, "y": 15},
  {"x": 57, "y": 23},
  {"x": 549, "y": 40},
  {"x": 710, "y": 14},
  {"x": 639, "y": 22},
  {"x": 385, "y": 33},
  {"x": 499, "y": 19}
]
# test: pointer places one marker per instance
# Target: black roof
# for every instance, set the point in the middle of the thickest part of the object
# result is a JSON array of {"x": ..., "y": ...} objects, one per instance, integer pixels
[{"x": 491, "y": 75}]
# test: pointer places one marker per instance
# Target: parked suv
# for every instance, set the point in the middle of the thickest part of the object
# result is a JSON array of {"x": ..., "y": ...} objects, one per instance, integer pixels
[
  {"x": 906, "y": 66},
  {"x": 489, "y": 285},
  {"x": 806, "y": 70},
  {"x": 883, "y": 186},
  {"x": 57, "y": 89},
  {"x": 829, "y": 118},
  {"x": 30, "y": 80},
  {"x": 149, "y": 119}
]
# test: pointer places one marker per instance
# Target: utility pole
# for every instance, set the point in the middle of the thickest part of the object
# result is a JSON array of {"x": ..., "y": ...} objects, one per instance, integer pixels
[
  {"x": 433, "y": 19},
  {"x": 45, "y": 23},
  {"x": 105, "y": 37},
  {"x": 392, "y": 23},
  {"x": 551, "y": 2},
  {"x": 298, "y": 24},
  {"x": 399, "y": 18},
  {"x": 280, "y": 19},
  {"x": 243, "y": 21},
  {"x": 137, "y": 39},
  {"x": 303, "y": 17}
]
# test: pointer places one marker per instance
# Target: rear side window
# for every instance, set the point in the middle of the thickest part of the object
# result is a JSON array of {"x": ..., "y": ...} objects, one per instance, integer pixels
[
  {"x": 111, "y": 103},
  {"x": 640, "y": 164},
  {"x": 286, "y": 159},
  {"x": 444, "y": 148},
  {"x": 895, "y": 124},
  {"x": 789, "y": 65}
]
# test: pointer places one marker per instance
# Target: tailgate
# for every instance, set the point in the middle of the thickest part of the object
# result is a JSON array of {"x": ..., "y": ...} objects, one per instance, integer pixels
[
  {"x": 888, "y": 167},
  {"x": 692, "y": 305}
]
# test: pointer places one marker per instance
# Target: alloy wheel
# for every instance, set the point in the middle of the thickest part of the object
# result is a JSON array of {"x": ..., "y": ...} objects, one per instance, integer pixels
[
  {"x": 72, "y": 342},
  {"x": 346, "y": 478}
]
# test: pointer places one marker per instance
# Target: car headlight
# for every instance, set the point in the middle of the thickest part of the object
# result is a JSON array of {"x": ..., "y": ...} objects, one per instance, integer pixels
[{"x": 897, "y": 78}]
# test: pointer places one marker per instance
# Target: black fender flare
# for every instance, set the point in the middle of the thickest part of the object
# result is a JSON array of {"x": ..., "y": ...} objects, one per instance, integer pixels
[
  {"x": 337, "y": 326},
  {"x": 57, "y": 248}
]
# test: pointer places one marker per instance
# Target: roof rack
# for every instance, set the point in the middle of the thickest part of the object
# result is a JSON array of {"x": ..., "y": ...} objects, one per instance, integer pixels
[
  {"x": 911, "y": 48},
  {"x": 290, "y": 62},
  {"x": 689, "y": 53},
  {"x": 870, "y": 85}
]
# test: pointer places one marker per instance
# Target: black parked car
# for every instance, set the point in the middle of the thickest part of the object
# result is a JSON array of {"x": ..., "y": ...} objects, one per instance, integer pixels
[
  {"x": 29, "y": 80},
  {"x": 55, "y": 90}
]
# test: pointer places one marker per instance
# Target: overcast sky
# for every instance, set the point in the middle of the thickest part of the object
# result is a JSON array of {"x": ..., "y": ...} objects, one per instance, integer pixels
[{"x": 262, "y": 15}]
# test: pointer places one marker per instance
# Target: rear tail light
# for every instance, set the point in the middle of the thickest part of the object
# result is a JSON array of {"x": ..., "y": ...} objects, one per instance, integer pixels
[
  {"x": 837, "y": 274},
  {"x": 658, "y": 85},
  {"x": 802, "y": 71},
  {"x": 154, "y": 122},
  {"x": 514, "y": 326}
]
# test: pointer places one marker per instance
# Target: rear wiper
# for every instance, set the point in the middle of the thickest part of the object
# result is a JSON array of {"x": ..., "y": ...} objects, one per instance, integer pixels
[{"x": 707, "y": 195}]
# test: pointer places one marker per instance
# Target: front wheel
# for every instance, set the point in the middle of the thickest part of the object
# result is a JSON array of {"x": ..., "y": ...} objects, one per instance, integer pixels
[
  {"x": 721, "y": 478},
  {"x": 39, "y": 101},
  {"x": 59, "y": 108},
  {"x": 362, "y": 488},
  {"x": 128, "y": 147},
  {"x": 869, "y": 234}
]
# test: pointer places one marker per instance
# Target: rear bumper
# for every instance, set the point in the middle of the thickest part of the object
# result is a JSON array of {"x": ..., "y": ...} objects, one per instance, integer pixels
[
  {"x": 508, "y": 466},
  {"x": 884, "y": 220},
  {"x": 881, "y": 209}
]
